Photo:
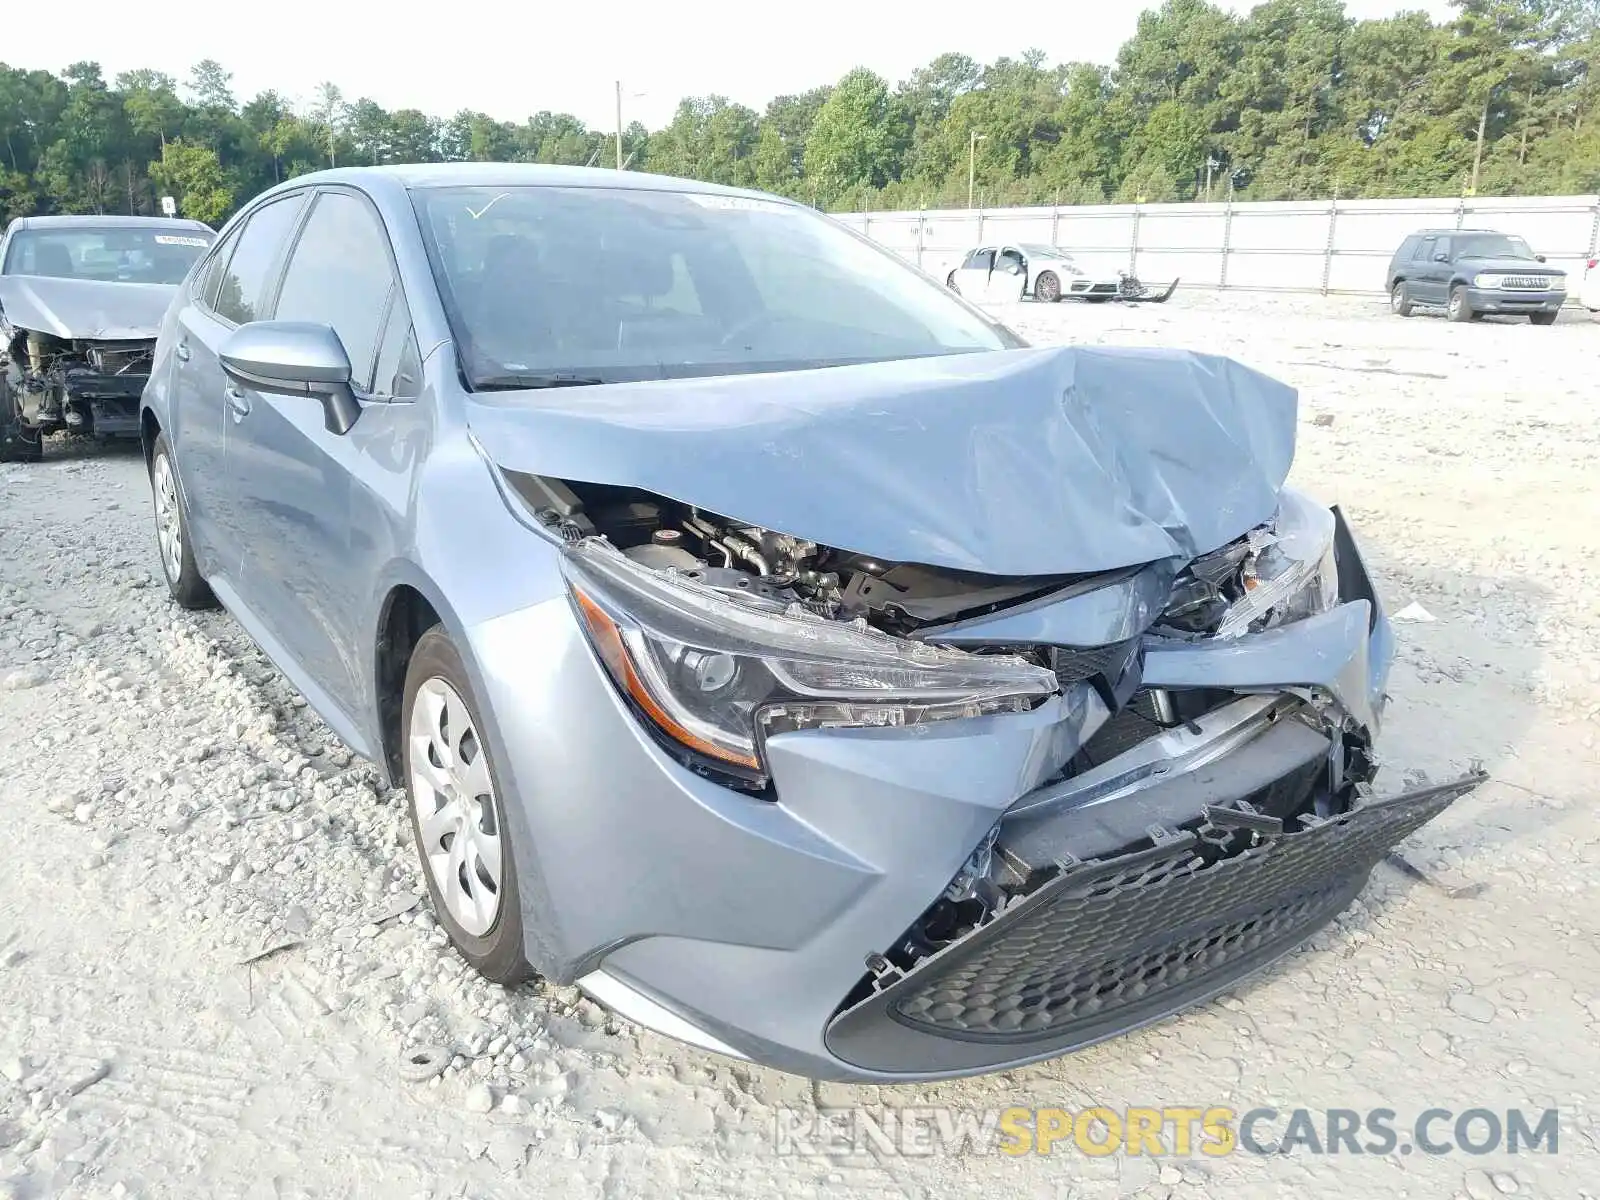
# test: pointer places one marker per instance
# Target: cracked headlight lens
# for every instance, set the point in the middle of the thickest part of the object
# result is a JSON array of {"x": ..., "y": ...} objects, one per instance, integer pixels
[
  {"x": 712, "y": 676},
  {"x": 1289, "y": 572}
]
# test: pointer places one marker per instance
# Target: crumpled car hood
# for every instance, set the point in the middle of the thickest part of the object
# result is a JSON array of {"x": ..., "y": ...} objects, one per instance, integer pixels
[
  {"x": 1054, "y": 460},
  {"x": 84, "y": 308}
]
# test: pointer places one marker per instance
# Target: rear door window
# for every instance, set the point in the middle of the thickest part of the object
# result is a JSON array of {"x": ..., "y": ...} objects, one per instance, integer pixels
[
  {"x": 210, "y": 277},
  {"x": 1425, "y": 249}
]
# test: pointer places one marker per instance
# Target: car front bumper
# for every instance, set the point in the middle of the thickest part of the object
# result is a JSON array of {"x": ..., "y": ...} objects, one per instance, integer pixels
[
  {"x": 758, "y": 927},
  {"x": 1508, "y": 300}
]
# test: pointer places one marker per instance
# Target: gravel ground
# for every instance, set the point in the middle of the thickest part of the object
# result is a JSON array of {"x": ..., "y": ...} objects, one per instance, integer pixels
[{"x": 172, "y": 810}]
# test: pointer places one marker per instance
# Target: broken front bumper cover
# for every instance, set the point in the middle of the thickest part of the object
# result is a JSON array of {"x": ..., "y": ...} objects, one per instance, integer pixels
[
  {"x": 1134, "y": 292},
  {"x": 1113, "y": 944}
]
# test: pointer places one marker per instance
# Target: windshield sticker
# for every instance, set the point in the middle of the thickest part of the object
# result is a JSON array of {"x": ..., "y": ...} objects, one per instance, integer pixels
[
  {"x": 169, "y": 239},
  {"x": 739, "y": 203}
]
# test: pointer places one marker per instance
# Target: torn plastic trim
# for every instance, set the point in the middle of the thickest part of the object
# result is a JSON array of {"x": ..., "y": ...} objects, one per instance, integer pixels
[
  {"x": 1092, "y": 612},
  {"x": 1166, "y": 756},
  {"x": 1329, "y": 652}
]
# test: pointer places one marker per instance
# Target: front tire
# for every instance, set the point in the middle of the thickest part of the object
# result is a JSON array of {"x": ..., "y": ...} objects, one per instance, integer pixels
[
  {"x": 1460, "y": 309},
  {"x": 1047, "y": 287},
  {"x": 183, "y": 577},
  {"x": 1400, "y": 299},
  {"x": 19, "y": 443},
  {"x": 950, "y": 282},
  {"x": 458, "y": 813}
]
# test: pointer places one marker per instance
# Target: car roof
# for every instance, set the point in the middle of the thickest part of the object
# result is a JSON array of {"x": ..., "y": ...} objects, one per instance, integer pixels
[
  {"x": 1453, "y": 232},
  {"x": 485, "y": 174},
  {"x": 108, "y": 221}
]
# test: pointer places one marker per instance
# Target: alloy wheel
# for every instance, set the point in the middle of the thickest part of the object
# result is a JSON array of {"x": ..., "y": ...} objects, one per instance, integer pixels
[
  {"x": 454, "y": 799},
  {"x": 169, "y": 521}
]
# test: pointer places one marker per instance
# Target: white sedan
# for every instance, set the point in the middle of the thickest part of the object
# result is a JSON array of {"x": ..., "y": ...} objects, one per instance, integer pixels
[{"x": 1002, "y": 273}]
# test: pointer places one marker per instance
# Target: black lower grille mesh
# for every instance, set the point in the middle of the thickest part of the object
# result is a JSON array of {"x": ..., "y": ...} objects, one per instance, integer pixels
[
  {"x": 1111, "y": 934},
  {"x": 1004, "y": 993},
  {"x": 1112, "y": 944}
]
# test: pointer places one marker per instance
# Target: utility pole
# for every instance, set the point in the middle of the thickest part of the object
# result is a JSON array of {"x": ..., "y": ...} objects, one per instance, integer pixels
[
  {"x": 972, "y": 161},
  {"x": 619, "y": 124}
]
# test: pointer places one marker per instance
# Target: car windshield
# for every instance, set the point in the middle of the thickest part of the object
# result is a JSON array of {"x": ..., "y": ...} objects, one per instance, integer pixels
[
  {"x": 1494, "y": 245},
  {"x": 1034, "y": 251},
  {"x": 107, "y": 254},
  {"x": 562, "y": 285}
]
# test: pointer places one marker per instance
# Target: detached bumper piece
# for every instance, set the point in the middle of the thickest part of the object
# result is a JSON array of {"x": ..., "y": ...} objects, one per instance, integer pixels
[{"x": 1112, "y": 944}]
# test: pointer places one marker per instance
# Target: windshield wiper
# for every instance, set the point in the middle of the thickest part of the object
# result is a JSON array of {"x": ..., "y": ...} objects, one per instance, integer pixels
[{"x": 514, "y": 383}]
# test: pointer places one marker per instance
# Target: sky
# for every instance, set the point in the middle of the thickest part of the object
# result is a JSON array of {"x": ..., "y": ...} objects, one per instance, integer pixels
[{"x": 510, "y": 59}]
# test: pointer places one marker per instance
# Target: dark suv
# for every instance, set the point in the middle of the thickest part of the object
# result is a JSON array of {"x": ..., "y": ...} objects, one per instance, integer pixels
[{"x": 1470, "y": 272}]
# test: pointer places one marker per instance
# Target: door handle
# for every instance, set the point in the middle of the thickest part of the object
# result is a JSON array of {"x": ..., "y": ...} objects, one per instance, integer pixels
[
  {"x": 238, "y": 402},
  {"x": 181, "y": 352}
]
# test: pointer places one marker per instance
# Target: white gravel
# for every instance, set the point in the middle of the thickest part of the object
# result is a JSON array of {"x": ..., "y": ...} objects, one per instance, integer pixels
[{"x": 216, "y": 979}]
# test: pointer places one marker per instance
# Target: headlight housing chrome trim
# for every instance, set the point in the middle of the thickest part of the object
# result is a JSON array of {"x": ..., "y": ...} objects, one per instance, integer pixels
[
  {"x": 712, "y": 676},
  {"x": 1290, "y": 572}
]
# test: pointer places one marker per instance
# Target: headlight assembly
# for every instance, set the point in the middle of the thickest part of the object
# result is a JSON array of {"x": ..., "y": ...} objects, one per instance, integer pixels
[
  {"x": 1289, "y": 572},
  {"x": 713, "y": 677},
  {"x": 1488, "y": 281}
]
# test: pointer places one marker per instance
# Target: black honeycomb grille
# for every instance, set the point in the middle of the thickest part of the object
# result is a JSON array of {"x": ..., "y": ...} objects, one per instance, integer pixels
[
  {"x": 1112, "y": 944},
  {"x": 1106, "y": 935},
  {"x": 1034, "y": 1000},
  {"x": 1073, "y": 664}
]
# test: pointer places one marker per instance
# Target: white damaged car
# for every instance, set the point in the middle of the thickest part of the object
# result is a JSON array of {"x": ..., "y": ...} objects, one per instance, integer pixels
[{"x": 1000, "y": 273}]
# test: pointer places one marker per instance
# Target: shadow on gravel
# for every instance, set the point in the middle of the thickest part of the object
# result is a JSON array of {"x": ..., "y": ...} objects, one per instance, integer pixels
[{"x": 73, "y": 447}]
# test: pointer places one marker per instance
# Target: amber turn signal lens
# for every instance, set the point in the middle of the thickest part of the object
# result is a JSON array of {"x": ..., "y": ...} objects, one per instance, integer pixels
[{"x": 608, "y": 643}]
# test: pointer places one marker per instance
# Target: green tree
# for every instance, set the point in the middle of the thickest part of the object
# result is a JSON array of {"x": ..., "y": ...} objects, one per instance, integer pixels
[
  {"x": 857, "y": 138},
  {"x": 415, "y": 136},
  {"x": 710, "y": 138},
  {"x": 328, "y": 113},
  {"x": 151, "y": 103},
  {"x": 194, "y": 176}
]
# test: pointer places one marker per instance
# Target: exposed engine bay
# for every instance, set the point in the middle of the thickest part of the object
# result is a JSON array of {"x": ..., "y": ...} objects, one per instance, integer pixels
[
  {"x": 758, "y": 566},
  {"x": 83, "y": 385}
]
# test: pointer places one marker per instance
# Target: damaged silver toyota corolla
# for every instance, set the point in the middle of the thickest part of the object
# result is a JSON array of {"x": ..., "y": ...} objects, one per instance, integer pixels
[{"x": 768, "y": 641}]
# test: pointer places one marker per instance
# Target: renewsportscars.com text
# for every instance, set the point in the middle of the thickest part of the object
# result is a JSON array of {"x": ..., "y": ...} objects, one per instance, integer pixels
[{"x": 1169, "y": 1131}]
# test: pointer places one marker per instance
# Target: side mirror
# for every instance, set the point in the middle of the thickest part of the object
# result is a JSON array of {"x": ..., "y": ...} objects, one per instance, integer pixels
[
  {"x": 1441, "y": 257},
  {"x": 1540, "y": 257},
  {"x": 294, "y": 358}
]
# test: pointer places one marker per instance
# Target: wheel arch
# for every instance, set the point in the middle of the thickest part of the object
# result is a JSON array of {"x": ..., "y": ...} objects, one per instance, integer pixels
[
  {"x": 405, "y": 613},
  {"x": 409, "y": 604},
  {"x": 149, "y": 430}
]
